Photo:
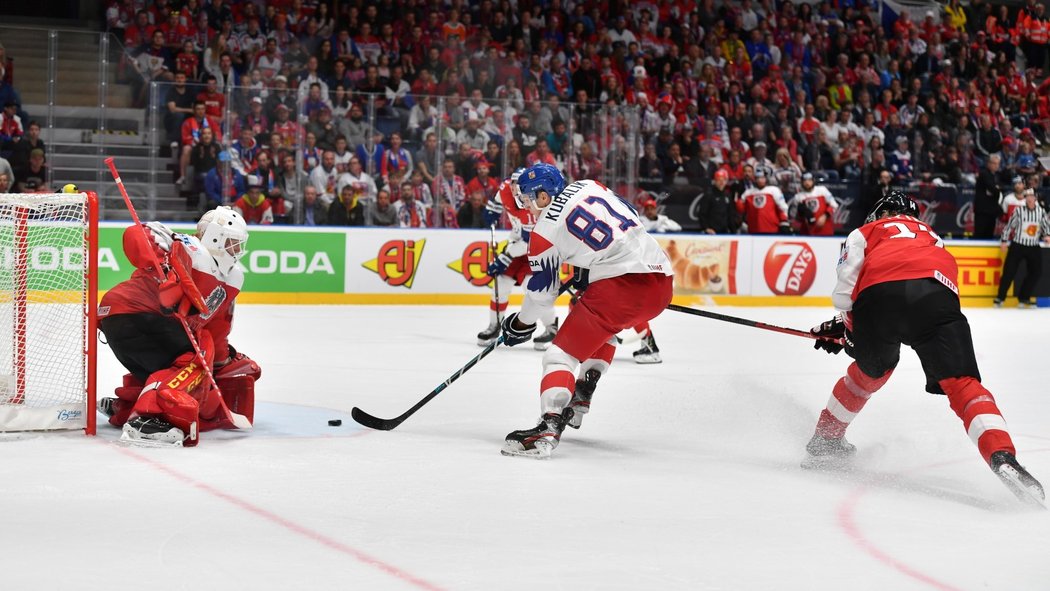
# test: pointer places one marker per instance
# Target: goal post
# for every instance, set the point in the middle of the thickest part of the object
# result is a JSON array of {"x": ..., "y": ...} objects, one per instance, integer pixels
[{"x": 48, "y": 302}]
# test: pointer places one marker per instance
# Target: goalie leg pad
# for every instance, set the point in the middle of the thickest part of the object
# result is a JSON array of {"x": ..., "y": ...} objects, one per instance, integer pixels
[
  {"x": 981, "y": 418},
  {"x": 241, "y": 365}
]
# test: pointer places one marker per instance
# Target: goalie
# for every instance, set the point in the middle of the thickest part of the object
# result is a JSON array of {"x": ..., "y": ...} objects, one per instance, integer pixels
[{"x": 168, "y": 397}]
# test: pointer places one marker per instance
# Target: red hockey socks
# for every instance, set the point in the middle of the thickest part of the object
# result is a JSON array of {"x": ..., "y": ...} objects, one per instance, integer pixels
[
  {"x": 848, "y": 397},
  {"x": 981, "y": 418}
]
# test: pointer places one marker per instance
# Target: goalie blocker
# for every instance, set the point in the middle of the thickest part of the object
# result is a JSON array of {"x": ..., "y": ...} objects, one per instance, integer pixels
[{"x": 168, "y": 396}]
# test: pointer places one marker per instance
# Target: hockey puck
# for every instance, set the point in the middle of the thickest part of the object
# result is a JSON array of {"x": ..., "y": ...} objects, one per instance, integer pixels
[{"x": 335, "y": 422}]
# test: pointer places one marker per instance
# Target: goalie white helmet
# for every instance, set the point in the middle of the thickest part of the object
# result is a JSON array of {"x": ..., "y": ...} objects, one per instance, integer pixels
[{"x": 224, "y": 233}]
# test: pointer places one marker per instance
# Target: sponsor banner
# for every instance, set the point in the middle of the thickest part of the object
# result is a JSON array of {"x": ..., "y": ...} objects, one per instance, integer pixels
[
  {"x": 703, "y": 265},
  {"x": 793, "y": 265},
  {"x": 980, "y": 268},
  {"x": 277, "y": 259}
]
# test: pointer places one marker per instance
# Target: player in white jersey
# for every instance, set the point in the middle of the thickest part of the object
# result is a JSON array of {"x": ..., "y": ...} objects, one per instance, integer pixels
[
  {"x": 511, "y": 267},
  {"x": 625, "y": 279}
]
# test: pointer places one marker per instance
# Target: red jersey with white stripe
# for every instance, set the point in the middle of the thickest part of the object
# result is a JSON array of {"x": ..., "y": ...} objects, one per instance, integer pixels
[
  {"x": 817, "y": 202},
  {"x": 763, "y": 209},
  {"x": 140, "y": 293},
  {"x": 588, "y": 226},
  {"x": 891, "y": 249}
]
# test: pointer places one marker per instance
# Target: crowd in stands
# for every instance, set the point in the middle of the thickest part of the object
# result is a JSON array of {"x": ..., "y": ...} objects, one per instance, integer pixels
[
  {"x": 410, "y": 112},
  {"x": 23, "y": 156}
]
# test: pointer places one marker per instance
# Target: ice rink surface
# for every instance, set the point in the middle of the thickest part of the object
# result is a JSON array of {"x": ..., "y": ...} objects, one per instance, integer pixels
[{"x": 685, "y": 475}]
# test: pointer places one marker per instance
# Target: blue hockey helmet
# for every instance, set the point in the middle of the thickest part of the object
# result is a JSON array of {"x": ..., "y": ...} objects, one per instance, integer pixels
[{"x": 540, "y": 177}]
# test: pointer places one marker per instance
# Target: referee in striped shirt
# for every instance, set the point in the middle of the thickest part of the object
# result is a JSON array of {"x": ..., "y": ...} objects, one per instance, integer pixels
[{"x": 1026, "y": 227}]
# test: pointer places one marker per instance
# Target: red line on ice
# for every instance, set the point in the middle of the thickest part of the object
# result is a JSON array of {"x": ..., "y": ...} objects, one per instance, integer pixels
[
  {"x": 848, "y": 523},
  {"x": 286, "y": 523}
]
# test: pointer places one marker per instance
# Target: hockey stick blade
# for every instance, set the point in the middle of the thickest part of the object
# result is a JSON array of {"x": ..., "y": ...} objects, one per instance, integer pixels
[{"x": 379, "y": 424}]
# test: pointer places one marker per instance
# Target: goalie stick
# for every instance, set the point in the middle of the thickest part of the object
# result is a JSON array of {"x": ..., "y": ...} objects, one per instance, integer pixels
[
  {"x": 239, "y": 420},
  {"x": 745, "y": 322}
]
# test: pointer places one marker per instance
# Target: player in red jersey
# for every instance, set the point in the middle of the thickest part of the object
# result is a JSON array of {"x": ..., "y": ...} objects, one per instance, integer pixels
[
  {"x": 814, "y": 207},
  {"x": 511, "y": 267},
  {"x": 897, "y": 284},
  {"x": 166, "y": 398},
  {"x": 763, "y": 207}
]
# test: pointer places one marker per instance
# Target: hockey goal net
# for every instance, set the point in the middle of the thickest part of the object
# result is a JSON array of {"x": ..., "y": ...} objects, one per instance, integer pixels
[{"x": 48, "y": 296}]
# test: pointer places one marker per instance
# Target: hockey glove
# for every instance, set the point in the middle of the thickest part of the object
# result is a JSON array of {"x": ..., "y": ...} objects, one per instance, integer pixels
[
  {"x": 493, "y": 212},
  {"x": 580, "y": 279},
  {"x": 171, "y": 296},
  {"x": 830, "y": 334},
  {"x": 784, "y": 228},
  {"x": 161, "y": 235},
  {"x": 499, "y": 265},
  {"x": 516, "y": 336}
]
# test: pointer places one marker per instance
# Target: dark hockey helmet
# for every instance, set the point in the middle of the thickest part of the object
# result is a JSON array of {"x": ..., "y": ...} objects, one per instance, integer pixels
[{"x": 894, "y": 203}]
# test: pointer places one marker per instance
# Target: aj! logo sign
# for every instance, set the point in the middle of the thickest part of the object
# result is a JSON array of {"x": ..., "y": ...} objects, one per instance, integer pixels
[
  {"x": 474, "y": 263},
  {"x": 397, "y": 261}
]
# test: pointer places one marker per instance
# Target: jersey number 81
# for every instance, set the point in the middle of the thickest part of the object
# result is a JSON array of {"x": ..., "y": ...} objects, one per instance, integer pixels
[{"x": 591, "y": 230}]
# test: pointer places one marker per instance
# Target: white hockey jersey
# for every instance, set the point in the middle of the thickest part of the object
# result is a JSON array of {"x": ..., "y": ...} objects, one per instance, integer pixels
[{"x": 588, "y": 226}]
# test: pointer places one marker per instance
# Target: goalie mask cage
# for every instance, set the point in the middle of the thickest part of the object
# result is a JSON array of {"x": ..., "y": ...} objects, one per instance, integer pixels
[{"x": 48, "y": 300}]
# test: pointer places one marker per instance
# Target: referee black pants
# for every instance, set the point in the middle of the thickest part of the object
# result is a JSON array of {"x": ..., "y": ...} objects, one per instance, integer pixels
[{"x": 1032, "y": 257}]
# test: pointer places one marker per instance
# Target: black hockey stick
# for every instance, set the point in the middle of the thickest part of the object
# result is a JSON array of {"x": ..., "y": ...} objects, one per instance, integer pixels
[
  {"x": 746, "y": 322},
  {"x": 387, "y": 424}
]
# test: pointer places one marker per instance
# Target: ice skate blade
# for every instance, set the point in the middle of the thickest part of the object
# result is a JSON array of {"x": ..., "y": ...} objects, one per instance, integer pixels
[
  {"x": 648, "y": 359},
  {"x": 577, "y": 417},
  {"x": 829, "y": 463},
  {"x": 541, "y": 346},
  {"x": 486, "y": 342},
  {"x": 542, "y": 451},
  {"x": 1026, "y": 494}
]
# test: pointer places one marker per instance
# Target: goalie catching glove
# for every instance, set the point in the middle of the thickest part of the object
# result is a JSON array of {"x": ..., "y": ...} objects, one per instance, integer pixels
[
  {"x": 516, "y": 336},
  {"x": 832, "y": 335}
]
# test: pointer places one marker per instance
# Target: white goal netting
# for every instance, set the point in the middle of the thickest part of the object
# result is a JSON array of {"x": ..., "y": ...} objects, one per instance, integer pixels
[{"x": 47, "y": 299}]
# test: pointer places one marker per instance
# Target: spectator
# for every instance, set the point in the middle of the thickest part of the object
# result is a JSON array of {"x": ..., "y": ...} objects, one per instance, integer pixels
[
  {"x": 472, "y": 134},
  {"x": 410, "y": 211},
  {"x": 291, "y": 181},
  {"x": 21, "y": 149},
  {"x": 33, "y": 178},
  {"x": 652, "y": 220},
  {"x": 362, "y": 184},
  {"x": 986, "y": 208},
  {"x": 324, "y": 176},
  {"x": 450, "y": 187},
  {"x": 314, "y": 212},
  {"x": 716, "y": 212},
  {"x": 11, "y": 129},
  {"x": 382, "y": 213},
  {"x": 204, "y": 156},
  {"x": 348, "y": 209},
  {"x": 482, "y": 181},
  {"x": 253, "y": 206},
  {"x": 191, "y": 134},
  {"x": 471, "y": 213},
  {"x": 1027, "y": 227}
]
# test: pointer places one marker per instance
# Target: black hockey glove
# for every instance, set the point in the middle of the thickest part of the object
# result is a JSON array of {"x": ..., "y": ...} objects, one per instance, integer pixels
[
  {"x": 831, "y": 335},
  {"x": 580, "y": 279},
  {"x": 784, "y": 228},
  {"x": 516, "y": 336}
]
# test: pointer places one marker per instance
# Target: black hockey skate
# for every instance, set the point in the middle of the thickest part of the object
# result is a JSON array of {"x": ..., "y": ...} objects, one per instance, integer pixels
[
  {"x": 828, "y": 453},
  {"x": 106, "y": 406},
  {"x": 543, "y": 342},
  {"x": 487, "y": 336},
  {"x": 649, "y": 353},
  {"x": 539, "y": 441},
  {"x": 151, "y": 432},
  {"x": 1017, "y": 479},
  {"x": 581, "y": 398}
]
